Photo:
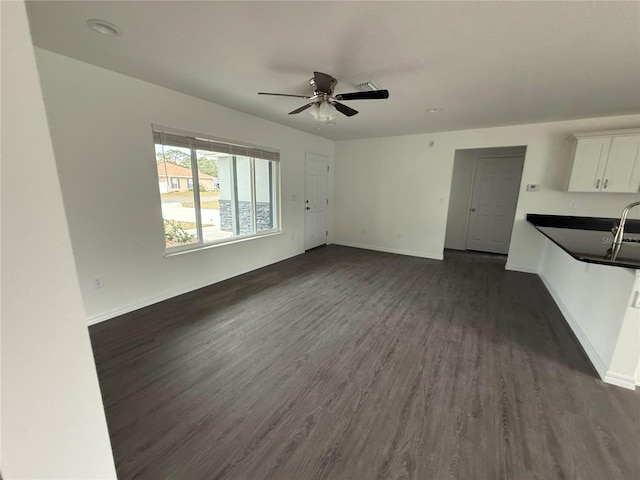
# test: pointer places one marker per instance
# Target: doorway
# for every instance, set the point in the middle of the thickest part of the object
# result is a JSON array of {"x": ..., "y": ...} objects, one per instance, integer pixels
[
  {"x": 316, "y": 174},
  {"x": 484, "y": 193}
]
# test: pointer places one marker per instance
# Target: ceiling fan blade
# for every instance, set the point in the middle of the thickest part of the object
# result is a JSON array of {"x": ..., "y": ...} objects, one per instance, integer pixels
[
  {"x": 284, "y": 95},
  {"x": 324, "y": 83},
  {"x": 342, "y": 108},
  {"x": 301, "y": 109},
  {"x": 373, "y": 95}
]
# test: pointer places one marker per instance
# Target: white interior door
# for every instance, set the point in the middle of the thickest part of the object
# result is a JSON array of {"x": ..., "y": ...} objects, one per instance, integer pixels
[
  {"x": 493, "y": 203},
  {"x": 315, "y": 201}
]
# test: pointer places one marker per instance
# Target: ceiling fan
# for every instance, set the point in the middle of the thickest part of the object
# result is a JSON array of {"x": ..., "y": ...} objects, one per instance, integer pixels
[{"x": 324, "y": 105}]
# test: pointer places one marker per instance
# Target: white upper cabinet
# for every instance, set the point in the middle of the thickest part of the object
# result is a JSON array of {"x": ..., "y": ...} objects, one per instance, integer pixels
[
  {"x": 623, "y": 167},
  {"x": 606, "y": 162},
  {"x": 589, "y": 162}
]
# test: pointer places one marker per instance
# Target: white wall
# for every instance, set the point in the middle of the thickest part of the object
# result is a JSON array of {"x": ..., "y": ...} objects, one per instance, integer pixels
[
  {"x": 101, "y": 128},
  {"x": 53, "y": 424},
  {"x": 461, "y": 189},
  {"x": 401, "y": 185},
  {"x": 391, "y": 194},
  {"x": 595, "y": 300}
]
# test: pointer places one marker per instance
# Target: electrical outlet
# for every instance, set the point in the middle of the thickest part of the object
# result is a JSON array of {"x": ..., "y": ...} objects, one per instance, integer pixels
[
  {"x": 98, "y": 282},
  {"x": 293, "y": 236},
  {"x": 399, "y": 235},
  {"x": 364, "y": 231}
]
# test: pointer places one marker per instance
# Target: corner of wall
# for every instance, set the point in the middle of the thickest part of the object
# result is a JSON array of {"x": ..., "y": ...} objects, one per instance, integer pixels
[{"x": 53, "y": 420}]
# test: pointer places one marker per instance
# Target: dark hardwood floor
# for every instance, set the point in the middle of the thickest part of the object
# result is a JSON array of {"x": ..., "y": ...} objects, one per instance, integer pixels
[{"x": 352, "y": 364}]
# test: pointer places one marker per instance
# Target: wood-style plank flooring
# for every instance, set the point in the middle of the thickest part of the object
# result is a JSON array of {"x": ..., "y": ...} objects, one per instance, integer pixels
[{"x": 351, "y": 364}]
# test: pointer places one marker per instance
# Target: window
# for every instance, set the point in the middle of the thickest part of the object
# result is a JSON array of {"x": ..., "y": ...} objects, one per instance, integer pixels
[
  {"x": 175, "y": 182},
  {"x": 236, "y": 195}
]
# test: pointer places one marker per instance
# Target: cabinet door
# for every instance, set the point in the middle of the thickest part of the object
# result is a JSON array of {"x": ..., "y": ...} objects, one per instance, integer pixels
[
  {"x": 589, "y": 163},
  {"x": 622, "y": 173}
]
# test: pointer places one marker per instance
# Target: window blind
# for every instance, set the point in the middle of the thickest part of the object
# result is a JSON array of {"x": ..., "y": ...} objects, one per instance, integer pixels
[{"x": 198, "y": 143}]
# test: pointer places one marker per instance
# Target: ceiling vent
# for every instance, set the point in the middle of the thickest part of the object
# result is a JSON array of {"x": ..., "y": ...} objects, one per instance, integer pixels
[{"x": 370, "y": 86}]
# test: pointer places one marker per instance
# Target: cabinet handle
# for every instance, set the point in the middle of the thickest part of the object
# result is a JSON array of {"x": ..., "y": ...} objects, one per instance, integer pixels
[
  {"x": 605, "y": 183},
  {"x": 597, "y": 184}
]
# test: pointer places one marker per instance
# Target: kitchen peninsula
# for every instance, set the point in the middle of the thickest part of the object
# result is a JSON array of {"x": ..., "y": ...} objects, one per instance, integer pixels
[
  {"x": 590, "y": 239},
  {"x": 597, "y": 290}
]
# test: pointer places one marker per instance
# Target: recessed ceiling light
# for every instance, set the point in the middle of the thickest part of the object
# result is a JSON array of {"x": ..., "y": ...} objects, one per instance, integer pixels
[
  {"x": 434, "y": 110},
  {"x": 105, "y": 28}
]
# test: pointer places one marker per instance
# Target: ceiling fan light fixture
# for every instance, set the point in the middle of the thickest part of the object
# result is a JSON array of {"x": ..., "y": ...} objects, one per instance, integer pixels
[
  {"x": 313, "y": 111},
  {"x": 323, "y": 112}
]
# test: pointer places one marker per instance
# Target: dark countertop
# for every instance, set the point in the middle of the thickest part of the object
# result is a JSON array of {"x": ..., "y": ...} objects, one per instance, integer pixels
[{"x": 589, "y": 239}]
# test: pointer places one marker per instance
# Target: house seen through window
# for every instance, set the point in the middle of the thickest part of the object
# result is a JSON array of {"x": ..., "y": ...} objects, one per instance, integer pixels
[{"x": 236, "y": 194}]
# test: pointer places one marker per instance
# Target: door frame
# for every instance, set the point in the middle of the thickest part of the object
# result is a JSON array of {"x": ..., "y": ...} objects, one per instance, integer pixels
[{"x": 473, "y": 185}]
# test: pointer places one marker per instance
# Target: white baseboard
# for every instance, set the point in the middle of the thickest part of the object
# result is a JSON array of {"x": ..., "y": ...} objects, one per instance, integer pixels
[
  {"x": 399, "y": 251},
  {"x": 624, "y": 381},
  {"x": 101, "y": 317},
  {"x": 575, "y": 327},
  {"x": 518, "y": 268},
  {"x": 93, "y": 319}
]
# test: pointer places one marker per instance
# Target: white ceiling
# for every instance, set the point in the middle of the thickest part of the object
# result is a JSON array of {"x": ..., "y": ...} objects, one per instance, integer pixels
[{"x": 485, "y": 63}]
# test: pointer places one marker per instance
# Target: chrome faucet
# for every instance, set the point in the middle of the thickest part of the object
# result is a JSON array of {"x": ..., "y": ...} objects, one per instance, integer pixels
[{"x": 619, "y": 231}]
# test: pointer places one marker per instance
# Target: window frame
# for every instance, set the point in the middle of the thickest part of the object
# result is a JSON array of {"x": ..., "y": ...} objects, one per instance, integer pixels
[{"x": 274, "y": 188}]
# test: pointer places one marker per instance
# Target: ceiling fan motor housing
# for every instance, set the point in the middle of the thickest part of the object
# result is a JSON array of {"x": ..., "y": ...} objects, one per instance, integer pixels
[{"x": 323, "y": 83}]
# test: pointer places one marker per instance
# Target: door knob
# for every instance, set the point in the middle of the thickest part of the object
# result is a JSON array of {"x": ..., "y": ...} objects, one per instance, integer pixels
[
  {"x": 308, "y": 208},
  {"x": 306, "y": 201},
  {"x": 473, "y": 209}
]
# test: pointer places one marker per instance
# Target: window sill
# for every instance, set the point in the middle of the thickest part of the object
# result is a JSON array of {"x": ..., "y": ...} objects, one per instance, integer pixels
[{"x": 198, "y": 247}]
